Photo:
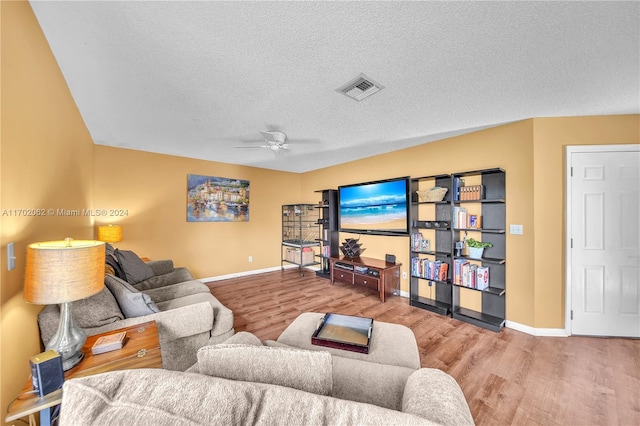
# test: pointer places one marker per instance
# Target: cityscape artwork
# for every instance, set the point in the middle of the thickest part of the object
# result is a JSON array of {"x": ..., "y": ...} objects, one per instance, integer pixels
[{"x": 217, "y": 199}]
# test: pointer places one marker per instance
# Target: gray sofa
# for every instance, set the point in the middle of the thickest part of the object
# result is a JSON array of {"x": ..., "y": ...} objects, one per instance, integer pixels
[
  {"x": 245, "y": 382},
  {"x": 187, "y": 314}
]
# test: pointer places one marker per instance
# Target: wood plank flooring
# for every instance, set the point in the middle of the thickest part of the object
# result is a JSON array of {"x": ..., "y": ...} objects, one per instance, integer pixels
[{"x": 508, "y": 377}]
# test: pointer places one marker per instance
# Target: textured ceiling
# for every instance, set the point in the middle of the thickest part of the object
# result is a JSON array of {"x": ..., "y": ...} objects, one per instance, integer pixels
[{"x": 197, "y": 79}]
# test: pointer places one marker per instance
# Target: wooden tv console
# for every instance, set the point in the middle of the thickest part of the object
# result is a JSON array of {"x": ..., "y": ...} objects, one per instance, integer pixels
[{"x": 376, "y": 274}]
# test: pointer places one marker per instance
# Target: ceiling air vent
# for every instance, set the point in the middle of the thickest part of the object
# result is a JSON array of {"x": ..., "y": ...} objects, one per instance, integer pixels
[{"x": 359, "y": 88}]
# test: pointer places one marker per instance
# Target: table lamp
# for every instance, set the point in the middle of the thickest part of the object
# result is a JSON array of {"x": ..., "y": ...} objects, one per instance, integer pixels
[
  {"x": 61, "y": 272},
  {"x": 110, "y": 233}
]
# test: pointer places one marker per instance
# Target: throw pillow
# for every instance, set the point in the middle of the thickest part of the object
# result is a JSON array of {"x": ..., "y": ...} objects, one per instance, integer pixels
[
  {"x": 132, "y": 302},
  {"x": 111, "y": 261},
  {"x": 97, "y": 310},
  {"x": 134, "y": 268},
  {"x": 309, "y": 371}
]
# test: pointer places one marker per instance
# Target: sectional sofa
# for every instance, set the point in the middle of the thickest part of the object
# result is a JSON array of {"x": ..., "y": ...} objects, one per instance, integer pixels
[
  {"x": 243, "y": 381},
  {"x": 187, "y": 314}
]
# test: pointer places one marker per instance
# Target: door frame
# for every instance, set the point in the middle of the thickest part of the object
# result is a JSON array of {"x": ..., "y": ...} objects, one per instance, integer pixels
[{"x": 569, "y": 150}]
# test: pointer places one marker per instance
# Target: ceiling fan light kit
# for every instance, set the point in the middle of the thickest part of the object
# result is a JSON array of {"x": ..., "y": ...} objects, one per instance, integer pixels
[{"x": 275, "y": 141}]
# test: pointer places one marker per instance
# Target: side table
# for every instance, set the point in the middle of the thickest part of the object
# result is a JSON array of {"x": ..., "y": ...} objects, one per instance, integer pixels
[{"x": 141, "y": 350}]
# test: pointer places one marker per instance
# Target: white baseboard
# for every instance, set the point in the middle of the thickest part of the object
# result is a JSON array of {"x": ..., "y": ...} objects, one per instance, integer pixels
[
  {"x": 245, "y": 273},
  {"x": 404, "y": 294},
  {"x": 541, "y": 332}
]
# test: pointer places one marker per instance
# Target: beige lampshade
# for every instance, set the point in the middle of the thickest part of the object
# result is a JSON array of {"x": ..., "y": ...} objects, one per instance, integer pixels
[
  {"x": 63, "y": 271},
  {"x": 110, "y": 233}
]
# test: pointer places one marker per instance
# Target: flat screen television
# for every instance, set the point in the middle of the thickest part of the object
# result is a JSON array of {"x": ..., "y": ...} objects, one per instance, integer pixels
[{"x": 376, "y": 208}]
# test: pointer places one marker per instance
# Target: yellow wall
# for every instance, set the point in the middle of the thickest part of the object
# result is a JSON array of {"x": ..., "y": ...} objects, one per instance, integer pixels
[
  {"x": 46, "y": 162},
  {"x": 153, "y": 187},
  {"x": 508, "y": 147},
  {"x": 550, "y": 138}
]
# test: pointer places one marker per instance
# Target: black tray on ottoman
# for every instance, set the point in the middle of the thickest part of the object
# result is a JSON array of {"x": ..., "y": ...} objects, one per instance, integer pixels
[{"x": 346, "y": 332}]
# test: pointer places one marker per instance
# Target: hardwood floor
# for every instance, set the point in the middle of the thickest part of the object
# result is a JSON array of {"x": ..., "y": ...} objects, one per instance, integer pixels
[{"x": 508, "y": 377}]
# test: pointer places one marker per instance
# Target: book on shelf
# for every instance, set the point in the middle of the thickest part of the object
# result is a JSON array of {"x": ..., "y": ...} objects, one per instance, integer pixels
[
  {"x": 416, "y": 241},
  {"x": 459, "y": 217},
  {"x": 467, "y": 274},
  {"x": 474, "y": 221},
  {"x": 458, "y": 183},
  {"x": 434, "y": 270},
  {"x": 472, "y": 193},
  {"x": 111, "y": 342},
  {"x": 482, "y": 281}
]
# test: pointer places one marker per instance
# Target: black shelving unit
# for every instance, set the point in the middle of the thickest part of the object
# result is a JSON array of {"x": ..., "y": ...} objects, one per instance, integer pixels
[
  {"x": 431, "y": 219},
  {"x": 328, "y": 221},
  {"x": 435, "y": 220},
  {"x": 493, "y": 230}
]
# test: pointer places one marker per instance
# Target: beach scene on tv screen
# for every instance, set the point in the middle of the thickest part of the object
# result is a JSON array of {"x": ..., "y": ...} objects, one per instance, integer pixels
[{"x": 376, "y": 206}]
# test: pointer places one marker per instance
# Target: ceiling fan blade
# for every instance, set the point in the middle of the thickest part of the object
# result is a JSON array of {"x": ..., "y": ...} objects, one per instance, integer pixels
[
  {"x": 255, "y": 146},
  {"x": 268, "y": 136}
]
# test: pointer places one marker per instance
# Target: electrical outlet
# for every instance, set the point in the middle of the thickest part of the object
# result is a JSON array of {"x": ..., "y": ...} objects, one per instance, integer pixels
[
  {"x": 515, "y": 229},
  {"x": 250, "y": 258},
  {"x": 404, "y": 275}
]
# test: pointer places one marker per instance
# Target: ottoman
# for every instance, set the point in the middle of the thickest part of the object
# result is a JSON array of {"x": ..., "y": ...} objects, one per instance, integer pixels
[{"x": 376, "y": 378}]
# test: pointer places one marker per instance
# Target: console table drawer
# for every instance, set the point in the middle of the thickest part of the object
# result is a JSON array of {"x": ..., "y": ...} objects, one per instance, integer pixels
[
  {"x": 366, "y": 281},
  {"x": 343, "y": 276},
  {"x": 384, "y": 278}
]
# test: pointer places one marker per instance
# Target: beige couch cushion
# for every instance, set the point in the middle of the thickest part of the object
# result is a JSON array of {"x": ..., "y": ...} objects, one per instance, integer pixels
[
  {"x": 294, "y": 368},
  {"x": 169, "y": 398}
]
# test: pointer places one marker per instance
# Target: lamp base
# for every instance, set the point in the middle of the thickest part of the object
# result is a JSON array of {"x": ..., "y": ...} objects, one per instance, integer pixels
[
  {"x": 72, "y": 361},
  {"x": 69, "y": 339}
]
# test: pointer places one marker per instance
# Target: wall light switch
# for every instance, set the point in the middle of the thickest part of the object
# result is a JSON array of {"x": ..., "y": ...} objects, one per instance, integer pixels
[
  {"x": 11, "y": 257},
  {"x": 515, "y": 229}
]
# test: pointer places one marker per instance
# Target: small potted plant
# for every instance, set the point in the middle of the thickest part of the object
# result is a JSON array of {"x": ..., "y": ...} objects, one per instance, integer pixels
[{"x": 475, "y": 248}]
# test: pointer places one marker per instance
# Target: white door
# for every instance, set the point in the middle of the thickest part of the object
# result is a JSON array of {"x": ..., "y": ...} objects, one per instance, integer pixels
[{"x": 604, "y": 259}]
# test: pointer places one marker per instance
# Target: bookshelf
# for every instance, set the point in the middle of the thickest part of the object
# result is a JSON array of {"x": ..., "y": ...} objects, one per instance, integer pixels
[
  {"x": 329, "y": 235},
  {"x": 429, "y": 287},
  {"x": 443, "y": 224},
  {"x": 490, "y": 208}
]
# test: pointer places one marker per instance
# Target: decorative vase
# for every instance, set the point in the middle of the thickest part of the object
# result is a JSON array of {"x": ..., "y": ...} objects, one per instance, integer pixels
[{"x": 475, "y": 252}]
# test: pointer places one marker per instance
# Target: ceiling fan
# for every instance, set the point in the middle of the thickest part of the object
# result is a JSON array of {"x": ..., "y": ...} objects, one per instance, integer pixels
[{"x": 275, "y": 141}]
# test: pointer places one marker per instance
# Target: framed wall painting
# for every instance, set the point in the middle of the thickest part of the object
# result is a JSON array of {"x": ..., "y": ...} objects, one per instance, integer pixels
[{"x": 217, "y": 199}]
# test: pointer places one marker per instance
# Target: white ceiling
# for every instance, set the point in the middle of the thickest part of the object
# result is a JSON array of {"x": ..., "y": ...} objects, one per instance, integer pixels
[{"x": 196, "y": 79}]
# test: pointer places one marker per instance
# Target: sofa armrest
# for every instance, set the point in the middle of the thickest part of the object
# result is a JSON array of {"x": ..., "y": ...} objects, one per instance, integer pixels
[
  {"x": 173, "y": 324},
  {"x": 436, "y": 396},
  {"x": 224, "y": 318},
  {"x": 160, "y": 267}
]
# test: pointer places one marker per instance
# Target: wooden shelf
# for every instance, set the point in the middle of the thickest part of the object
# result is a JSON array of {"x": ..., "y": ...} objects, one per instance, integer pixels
[
  {"x": 433, "y": 253},
  {"x": 483, "y": 260},
  {"x": 492, "y": 290},
  {"x": 431, "y": 305},
  {"x": 478, "y": 318},
  {"x": 484, "y": 230},
  {"x": 429, "y": 279}
]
